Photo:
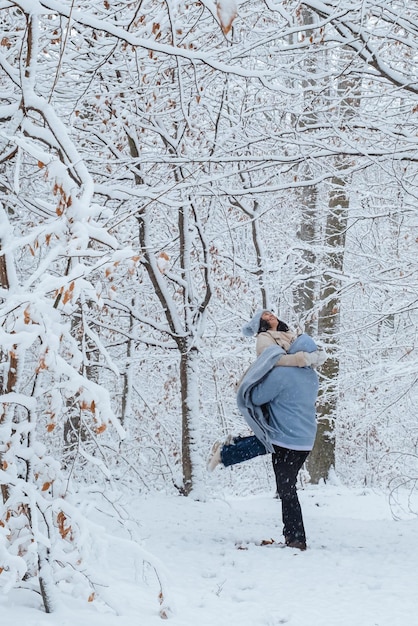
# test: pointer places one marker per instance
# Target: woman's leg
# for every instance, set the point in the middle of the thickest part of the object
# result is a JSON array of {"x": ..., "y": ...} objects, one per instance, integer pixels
[
  {"x": 242, "y": 449},
  {"x": 286, "y": 464}
]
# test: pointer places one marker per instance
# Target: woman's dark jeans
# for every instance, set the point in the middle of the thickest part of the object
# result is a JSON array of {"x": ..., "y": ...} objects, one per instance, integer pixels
[
  {"x": 286, "y": 464},
  {"x": 242, "y": 449}
]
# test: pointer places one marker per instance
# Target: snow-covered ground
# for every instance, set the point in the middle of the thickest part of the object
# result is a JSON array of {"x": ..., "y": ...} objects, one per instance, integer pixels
[{"x": 360, "y": 567}]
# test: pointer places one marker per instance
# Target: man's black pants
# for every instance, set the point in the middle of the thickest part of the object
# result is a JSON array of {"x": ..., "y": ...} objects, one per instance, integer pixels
[{"x": 286, "y": 464}]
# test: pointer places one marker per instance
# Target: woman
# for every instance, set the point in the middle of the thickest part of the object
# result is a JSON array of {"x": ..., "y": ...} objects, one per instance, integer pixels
[{"x": 271, "y": 331}]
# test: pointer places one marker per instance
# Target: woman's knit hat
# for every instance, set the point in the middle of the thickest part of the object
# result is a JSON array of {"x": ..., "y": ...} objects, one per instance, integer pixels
[{"x": 251, "y": 328}]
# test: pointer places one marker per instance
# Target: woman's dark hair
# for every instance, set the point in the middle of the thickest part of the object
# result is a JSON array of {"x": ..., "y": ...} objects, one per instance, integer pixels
[
  {"x": 265, "y": 326},
  {"x": 283, "y": 327}
]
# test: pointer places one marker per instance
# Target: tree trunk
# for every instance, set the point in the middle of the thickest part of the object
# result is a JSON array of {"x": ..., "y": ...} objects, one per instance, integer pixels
[
  {"x": 322, "y": 458},
  {"x": 189, "y": 413},
  {"x": 8, "y": 384},
  {"x": 126, "y": 376},
  {"x": 305, "y": 293}
]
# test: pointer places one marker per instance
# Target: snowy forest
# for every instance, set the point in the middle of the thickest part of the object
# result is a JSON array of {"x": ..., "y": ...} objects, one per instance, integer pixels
[{"x": 167, "y": 168}]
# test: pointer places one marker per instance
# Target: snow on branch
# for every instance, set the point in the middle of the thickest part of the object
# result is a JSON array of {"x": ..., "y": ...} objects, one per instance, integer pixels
[
  {"x": 226, "y": 17},
  {"x": 227, "y": 11}
]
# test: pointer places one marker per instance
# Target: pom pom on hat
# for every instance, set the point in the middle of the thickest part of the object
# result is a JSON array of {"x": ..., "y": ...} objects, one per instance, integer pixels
[{"x": 251, "y": 328}]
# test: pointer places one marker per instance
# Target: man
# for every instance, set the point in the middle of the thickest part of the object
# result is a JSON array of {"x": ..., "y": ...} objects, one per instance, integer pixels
[{"x": 278, "y": 403}]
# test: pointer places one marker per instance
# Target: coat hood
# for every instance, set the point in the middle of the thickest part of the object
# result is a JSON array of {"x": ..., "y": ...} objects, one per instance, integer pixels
[{"x": 251, "y": 328}]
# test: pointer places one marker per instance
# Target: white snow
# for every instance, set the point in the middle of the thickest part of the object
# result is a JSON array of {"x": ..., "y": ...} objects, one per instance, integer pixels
[{"x": 360, "y": 567}]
